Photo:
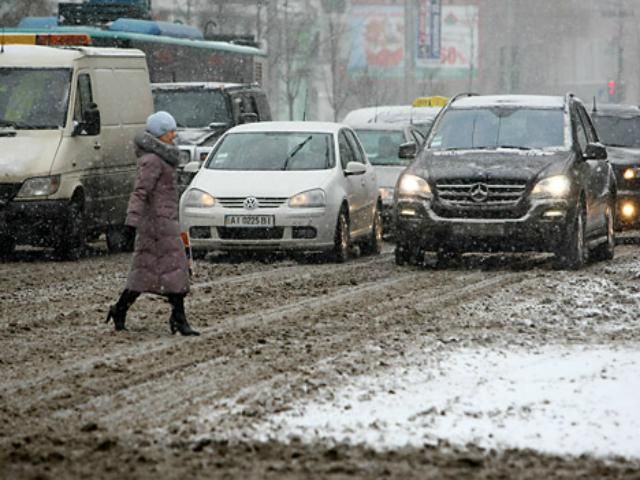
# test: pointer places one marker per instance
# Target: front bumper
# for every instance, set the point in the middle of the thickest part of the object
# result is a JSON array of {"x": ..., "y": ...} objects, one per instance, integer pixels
[
  {"x": 541, "y": 228},
  {"x": 294, "y": 229},
  {"x": 38, "y": 223}
]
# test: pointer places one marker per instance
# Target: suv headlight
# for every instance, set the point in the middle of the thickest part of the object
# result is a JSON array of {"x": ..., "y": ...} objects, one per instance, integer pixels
[
  {"x": 412, "y": 186},
  {"x": 310, "y": 198},
  {"x": 557, "y": 186},
  {"x": 39, "y": 186},
  {"x": 198, "y": 199}
]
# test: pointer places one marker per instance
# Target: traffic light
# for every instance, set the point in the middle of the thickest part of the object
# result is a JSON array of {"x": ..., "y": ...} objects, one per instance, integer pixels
[{"x": 612, "y": 89}]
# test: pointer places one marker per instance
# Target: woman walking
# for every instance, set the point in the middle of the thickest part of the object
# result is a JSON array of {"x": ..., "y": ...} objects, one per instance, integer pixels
[{"x": 159, "y": 262}]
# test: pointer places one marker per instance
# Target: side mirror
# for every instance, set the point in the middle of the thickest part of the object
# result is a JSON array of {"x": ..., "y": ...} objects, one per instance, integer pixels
[
  {"x": 90, "y": 124},
  {"x": 595, "y": 151},
  {"x": 355, "y": 168},
  {"x": 248, "y": 117},
  {"x": 192, "y": 167},
  {"x": 408, "y": 150}
]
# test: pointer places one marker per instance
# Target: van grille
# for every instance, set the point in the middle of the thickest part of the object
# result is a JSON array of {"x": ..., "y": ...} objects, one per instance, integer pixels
[
  {"x": 8, "y": 191},
  {"x": 263, "y": 202}
]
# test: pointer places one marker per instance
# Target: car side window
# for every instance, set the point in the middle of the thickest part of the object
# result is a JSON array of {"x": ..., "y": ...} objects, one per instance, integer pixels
[
  {"x": 358, "y": 154},
  {"x": 346, "y": 154},
  {"x": 581, "y": 134},
  {"x": 592, "y": 136},
  {"x": 84, "y": 97}
]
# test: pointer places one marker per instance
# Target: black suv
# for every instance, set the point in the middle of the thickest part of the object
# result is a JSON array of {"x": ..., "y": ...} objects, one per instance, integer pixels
[
  {"x": 204, "y": 111},
  {"x": 508, "y": 173},
  {"x": 619, "y": 128}
]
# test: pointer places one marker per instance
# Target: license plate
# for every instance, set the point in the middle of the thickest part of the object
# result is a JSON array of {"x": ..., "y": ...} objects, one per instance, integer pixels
[
  {"x": 249, "y": 221},
  {"x": 479, "y": 230}
]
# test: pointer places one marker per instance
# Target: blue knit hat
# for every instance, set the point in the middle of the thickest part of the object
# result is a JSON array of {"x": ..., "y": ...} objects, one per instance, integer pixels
[{"x": 160, "y": 123}]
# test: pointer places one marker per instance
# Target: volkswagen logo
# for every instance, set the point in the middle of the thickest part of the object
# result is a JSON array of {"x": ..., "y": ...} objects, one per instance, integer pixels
[
  {"x": 250, "y": 203},
  {"x": 479, "y": 192}
]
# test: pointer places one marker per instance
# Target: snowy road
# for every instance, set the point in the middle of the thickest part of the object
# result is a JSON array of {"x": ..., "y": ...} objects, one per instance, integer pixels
[{"x": 495, "y": 367}]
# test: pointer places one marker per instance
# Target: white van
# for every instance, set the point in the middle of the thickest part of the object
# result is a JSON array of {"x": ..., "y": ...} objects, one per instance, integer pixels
[{"x": 67, "y": 159}]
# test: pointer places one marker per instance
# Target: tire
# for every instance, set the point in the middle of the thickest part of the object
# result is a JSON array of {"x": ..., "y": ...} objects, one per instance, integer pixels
[
  {"x": 73, "y": 243},
  {"x": 572, "y": 253},
  {"x": 341, "y": 241},
  {"x": 606, "y": 250},
  {"x": 7, "y": 246},
  {"x": 373, "y": 245},
  {"x": 120, "y": 239}
]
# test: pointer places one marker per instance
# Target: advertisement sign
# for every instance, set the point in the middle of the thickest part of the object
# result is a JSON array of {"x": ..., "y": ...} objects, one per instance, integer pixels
[
  {"x": 428, "y": 33},
  {"x": 459, "y": 48},
  {"x": 378, "y": 39}
]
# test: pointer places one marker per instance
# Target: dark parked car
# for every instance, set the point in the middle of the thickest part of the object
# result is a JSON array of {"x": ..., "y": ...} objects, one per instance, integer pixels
[
  {"x": 509, "y": 173},
  {"x": 383, "y": 142},
  {"x": 619, "y": 129},
  {"x": 204, "y": 111}
]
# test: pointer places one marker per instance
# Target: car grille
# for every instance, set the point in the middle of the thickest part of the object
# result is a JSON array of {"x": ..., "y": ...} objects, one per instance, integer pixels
[
  {"x": 8, "y": 191},
  {"x": 474, "y": 193},
  {"x": 233, "y": 233},
  {"x": 263, "y": 202}
]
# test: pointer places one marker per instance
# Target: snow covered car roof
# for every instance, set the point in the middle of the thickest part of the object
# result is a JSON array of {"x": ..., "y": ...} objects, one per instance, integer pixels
[
  {"x": 616, "y": 109},
  {"x": 43, "y": 56},
  {"x": 194, "y": 85},
  {"x": 293, "y": 126},
  {"x": 391, "y": 114},
  {"x": 533, "y": 101}
]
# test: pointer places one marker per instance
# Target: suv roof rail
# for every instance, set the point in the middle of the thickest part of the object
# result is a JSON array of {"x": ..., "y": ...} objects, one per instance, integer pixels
[{"x": 460, "y": 95}]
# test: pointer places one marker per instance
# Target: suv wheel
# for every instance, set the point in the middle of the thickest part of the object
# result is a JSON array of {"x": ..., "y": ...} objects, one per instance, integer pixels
[
  {"x": 605, "y": 251},
  {"x": 120, "y": 239},
  {"x": 72, "y": 244},
  {"x": 373, "y": 245},
  {"x": 572, "y": 253}
]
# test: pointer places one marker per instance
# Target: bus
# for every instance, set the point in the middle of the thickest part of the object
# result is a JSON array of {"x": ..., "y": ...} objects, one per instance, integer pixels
[{"x": 175, "y": 52}]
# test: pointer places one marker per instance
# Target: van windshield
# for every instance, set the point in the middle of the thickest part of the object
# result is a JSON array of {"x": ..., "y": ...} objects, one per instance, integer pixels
[
  {"x": 488, "y": 128},
  {"x": 273, "y": 151},
  {"x": 193, "y": 108},
  {"x": 618, "y": 131},
  {"x": 34, "y": 98}
]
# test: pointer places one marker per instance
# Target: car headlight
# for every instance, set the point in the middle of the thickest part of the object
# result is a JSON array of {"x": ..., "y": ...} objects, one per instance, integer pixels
[
  {"x": 557, "y": 186},
  {"x": 386, "y": 194},
  {"x": 39, "y": 186},
  {"x": 198, "y": 199},
  {"x": 630, "y": 173},
  {"x": 310, "y": 198},
  {"x": 412, "y": 185}
]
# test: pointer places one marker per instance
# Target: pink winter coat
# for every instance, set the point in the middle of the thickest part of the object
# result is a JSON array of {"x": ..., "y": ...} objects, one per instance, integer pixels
[{"x": 159, "y": 261}]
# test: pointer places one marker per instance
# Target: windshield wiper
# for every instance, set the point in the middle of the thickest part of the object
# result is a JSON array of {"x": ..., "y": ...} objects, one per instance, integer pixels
[
  {"x": 296, "y": 149},
  {"x": 517, "y": 147}
]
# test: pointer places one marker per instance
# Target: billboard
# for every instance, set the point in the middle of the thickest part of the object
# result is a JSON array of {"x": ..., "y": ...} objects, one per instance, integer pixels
[
  {"x": 428, "y": 33},
  {"x": 378, "y": 39},
  {"x": 459, "y": 43}
]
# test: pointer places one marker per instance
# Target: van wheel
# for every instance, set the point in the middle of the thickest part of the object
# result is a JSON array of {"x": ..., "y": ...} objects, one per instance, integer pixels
[
  {"x": 73, "y": 242},
  {"x": 572, "y": 253},
  {"x": 7, "y": 246},
  {"x": 341, "y": 241},
  {"x": 373, "y": 245},
  {"x": 605, "y": 251},
  {"x": 120, "y": 238}
]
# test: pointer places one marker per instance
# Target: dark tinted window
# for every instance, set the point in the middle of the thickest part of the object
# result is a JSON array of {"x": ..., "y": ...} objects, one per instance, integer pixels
[
  {"x": 618, "y": 131},
  {"x": 193, "y": 108},
  {"x": 499, "y": 127}
]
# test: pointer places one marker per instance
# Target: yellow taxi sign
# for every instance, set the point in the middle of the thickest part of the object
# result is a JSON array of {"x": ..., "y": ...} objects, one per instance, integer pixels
[
  {"x": 18, "y": 39},
  {"x": 435, "y": 101}
]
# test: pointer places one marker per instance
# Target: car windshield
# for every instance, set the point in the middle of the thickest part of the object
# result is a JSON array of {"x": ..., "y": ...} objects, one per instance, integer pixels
[
  {"x": 382, "y": 146},
  {"x": 489, "y": 128},
  {"x": 618, "y": 131},
  {"x": 273, "y": 151},
  {"x": 34, "y": 98},
  {"x": 193, "y": 108}
]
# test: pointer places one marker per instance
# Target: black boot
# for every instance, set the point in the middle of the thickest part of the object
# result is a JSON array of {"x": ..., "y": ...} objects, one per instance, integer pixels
[
  {"x": 118, "y": 312},
  {"x": 178, "y": 323}
]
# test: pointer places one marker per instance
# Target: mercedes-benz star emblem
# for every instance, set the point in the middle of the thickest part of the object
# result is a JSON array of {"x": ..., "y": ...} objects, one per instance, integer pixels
[
  {"x": 250, "y": 203},
  {"x": 479, "y": 192}
]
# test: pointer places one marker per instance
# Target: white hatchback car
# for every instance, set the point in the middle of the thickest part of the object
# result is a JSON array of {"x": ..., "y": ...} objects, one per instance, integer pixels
[{"x": 290, "y": 186}]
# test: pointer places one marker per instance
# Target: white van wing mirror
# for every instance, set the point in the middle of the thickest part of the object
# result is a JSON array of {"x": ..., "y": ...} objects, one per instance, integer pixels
[{"x": 192, "y": 167}]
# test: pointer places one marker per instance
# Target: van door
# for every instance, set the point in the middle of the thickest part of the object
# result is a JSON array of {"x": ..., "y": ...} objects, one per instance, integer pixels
[{"x": 85, "y": 154}]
